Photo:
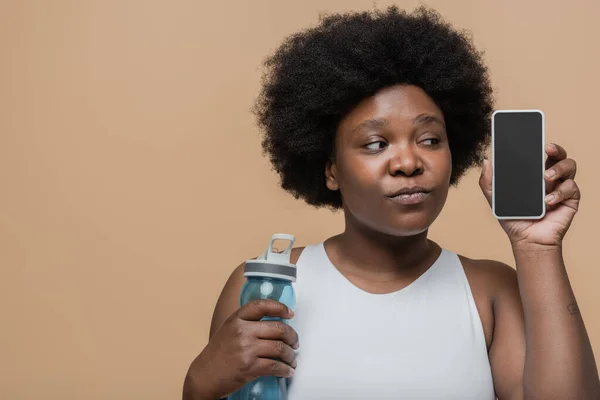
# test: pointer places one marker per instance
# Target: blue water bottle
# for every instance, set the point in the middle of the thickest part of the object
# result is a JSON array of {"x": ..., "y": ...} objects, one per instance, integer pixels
[{"x": 270, "y": 276}]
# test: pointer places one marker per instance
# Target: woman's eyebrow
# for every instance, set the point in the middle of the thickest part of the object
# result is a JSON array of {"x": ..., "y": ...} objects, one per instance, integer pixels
[
  {"x": 421, "y": 119},
  {"x": 370, "y": 123},
  {"x": 427, "y": 119}
]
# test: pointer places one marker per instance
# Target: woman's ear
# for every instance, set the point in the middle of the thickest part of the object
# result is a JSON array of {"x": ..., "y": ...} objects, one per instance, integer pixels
[{"x": 330, "y": 173}]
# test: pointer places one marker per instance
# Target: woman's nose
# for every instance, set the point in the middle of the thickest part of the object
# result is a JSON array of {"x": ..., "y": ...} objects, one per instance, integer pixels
[{"x": 405, "y": 161}]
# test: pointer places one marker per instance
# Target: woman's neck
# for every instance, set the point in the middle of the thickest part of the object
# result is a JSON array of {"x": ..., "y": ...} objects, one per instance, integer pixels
[{"x": 367, "y": 253}]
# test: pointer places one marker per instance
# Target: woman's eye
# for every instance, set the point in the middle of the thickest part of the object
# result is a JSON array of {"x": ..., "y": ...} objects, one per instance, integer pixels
[
  {"x": 431, "y": 141},
  {"x": 375, "y": 145}
]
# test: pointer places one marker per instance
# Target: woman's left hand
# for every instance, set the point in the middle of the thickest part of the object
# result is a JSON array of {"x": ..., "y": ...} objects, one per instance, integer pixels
[{"x": 562, "y": 202}]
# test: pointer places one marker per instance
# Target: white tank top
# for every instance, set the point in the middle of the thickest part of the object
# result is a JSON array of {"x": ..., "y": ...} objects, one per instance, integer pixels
[{"x": 425, "y": 341}]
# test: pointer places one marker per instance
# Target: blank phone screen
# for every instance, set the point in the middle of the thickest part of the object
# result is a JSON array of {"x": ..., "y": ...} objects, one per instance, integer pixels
[{"x": 518, "y": 139}]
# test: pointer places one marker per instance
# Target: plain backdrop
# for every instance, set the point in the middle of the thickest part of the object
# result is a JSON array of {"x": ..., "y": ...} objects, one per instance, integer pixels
[{"x": 132, "y": 180}]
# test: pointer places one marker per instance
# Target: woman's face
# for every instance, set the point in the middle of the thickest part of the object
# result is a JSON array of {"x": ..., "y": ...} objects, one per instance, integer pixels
[{"x": 389, "y": 146}]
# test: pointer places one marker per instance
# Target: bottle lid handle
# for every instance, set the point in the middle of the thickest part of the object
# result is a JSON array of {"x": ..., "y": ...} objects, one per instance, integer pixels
[{"x": 284, "y": 256}]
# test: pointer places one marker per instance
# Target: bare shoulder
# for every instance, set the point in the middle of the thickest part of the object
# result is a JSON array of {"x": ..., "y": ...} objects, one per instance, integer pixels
[
  {"x": 493, "y": 277},
  {"x": 493, "y": 285},
  {"x": 296, "y": 251},
  {"x": 228, "y": 301}
]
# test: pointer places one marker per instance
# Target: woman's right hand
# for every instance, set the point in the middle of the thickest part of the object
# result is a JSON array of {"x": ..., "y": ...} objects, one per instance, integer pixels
[{"x": 243, "y": 349}]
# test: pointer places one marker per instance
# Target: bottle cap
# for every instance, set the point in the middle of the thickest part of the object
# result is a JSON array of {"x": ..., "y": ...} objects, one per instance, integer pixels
[{"x": 271, "y": 264}]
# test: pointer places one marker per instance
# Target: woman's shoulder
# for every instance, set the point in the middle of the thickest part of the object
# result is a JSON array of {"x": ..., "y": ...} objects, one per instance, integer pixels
[
  {"x": 295, "y": 254},
  {"x": 490, "y": 276},
  {"x": 492, "y": 283}
]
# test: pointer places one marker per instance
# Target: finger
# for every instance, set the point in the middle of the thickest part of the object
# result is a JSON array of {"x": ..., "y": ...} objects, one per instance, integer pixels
[
  {"x": 277, "y": 350},
  {"x": 269, "y": 367},
  {"x": 277, "y": 330},
  {"x": 485, "y": 180},
  {"x": 257, "y": 309},
  {"x": 565, "y": 191},
  {"x": 555, "y": 152},
  {"x": 564, "y": 169}
]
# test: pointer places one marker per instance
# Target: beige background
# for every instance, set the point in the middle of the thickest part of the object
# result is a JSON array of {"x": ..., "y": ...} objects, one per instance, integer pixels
[{"x": 132, "y": 180}]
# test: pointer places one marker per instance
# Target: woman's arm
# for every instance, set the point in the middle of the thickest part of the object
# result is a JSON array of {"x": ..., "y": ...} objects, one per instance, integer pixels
[
  {"x": 559, "y": 361},
  {"x": 227, "y": 304}
]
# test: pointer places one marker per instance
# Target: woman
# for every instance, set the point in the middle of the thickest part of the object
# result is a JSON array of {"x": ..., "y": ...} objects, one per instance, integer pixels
[{"x": 378, "y": 114}]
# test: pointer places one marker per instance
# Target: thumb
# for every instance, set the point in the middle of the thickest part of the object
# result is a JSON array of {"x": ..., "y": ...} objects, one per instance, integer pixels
[{"x": 485, "y": 180}]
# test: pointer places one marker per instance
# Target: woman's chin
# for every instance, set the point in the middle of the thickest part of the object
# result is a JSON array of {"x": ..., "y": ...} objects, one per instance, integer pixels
[
  {"x": 406, "y": 231},
  {"x": 397, "y": 224},
  {"x": 410, "y": 226}
]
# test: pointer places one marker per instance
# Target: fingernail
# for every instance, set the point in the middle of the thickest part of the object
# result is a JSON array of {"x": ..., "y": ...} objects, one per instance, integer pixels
[
  {"x": 296, "y": 346},
  {"x": 291, "y": 373},
  {"x": 549, "y": 173},
  {"x": 291, "y": 313},
  {"x": 549, "y": 198}
]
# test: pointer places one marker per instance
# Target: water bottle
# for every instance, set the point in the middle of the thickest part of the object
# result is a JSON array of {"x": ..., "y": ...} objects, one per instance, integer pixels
[{"x": 270, "y": 276}]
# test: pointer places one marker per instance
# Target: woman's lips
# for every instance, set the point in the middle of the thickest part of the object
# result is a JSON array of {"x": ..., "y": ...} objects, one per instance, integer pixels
[{"x": 410, "y": 199}]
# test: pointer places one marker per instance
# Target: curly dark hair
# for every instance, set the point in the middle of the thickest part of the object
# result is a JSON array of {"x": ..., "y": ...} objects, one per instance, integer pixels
[{"x": 318, "y": 75}]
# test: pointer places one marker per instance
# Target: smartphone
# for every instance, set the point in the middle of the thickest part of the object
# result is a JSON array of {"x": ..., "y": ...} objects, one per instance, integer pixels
[{"x": 518, "y": 158}]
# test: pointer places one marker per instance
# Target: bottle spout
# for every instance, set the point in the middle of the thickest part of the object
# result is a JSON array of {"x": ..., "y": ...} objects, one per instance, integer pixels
[{"x": 284, "y": 256}]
